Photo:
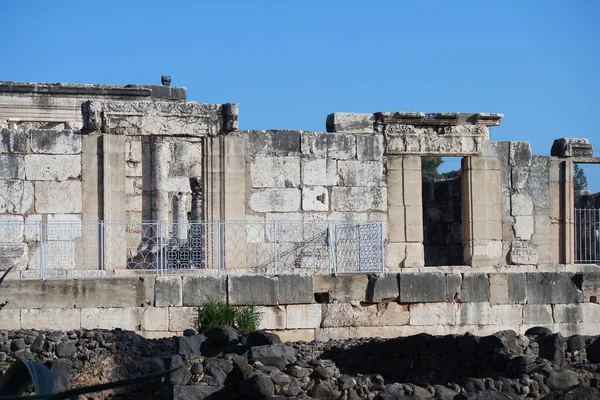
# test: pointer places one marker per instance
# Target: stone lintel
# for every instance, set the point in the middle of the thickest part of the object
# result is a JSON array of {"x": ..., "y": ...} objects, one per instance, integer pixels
[
  {"x": 159, "y": 117},
  {"x": 437, "y": 119},
  {"x": 572, "y": 147},
  {"x": 70, "y": 90}
]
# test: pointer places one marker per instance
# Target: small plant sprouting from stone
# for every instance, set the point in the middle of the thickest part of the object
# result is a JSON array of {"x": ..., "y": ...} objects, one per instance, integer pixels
[{"x": 215, "y": 313}]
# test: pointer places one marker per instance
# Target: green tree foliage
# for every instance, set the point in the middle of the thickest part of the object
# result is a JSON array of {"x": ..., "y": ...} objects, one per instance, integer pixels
[
  {"x": 429, "y": 167},
  {"x": 579, "y": 178}
]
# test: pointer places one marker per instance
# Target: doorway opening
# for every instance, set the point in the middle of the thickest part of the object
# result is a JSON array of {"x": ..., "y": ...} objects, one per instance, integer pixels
[
  {"x": 442, "y": 211},
  {"x": 586, "y": 195}
]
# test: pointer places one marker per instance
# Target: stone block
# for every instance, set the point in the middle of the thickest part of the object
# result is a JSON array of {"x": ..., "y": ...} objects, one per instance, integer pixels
[
  {"x": 520, "y": 154},
  {"x": 498, "y": 288},
  {"x": 17, "y": 196},
  {"x": 433, "y": 314},
  {"x": 84, "y": 293},
  {"x": 348, "y": 315},
  {"x": 361, "y": 173},
  {"x": 325, "y": 334},
  {"x": 572, "y": 147},
  {"x": 41, "y": 167},
  {"x": 10, "y": 319},
  {"x": 336, "y": 146},
  {"x": 47, "y": 319},
  {"x": 168, "y": 291},
  {"x": 58, "y": 197},
  {"x": 253, "y": 289},
  {"x": 315, "y": 198},
  {"x": 521, "y": 254},
  {"x": 296, "y": 335},
  {"x": 425, "y": 287},
  {"x": 475, "y": 288},
  {"x": 303, "y": 316},
  {"x": 453, "y": 287},
  {"x": 64, "y": 227},
  {"x": 196, "y": 290},
  {"x": 395, "y": 253},
  {"x": 272, "y": 172},
  {"x": 591, "y": 287},
  {"x": 155, "y": 319},
  {"x": 508, "y": 316},
  {"x": 272, "y": 317},
  {"x": 319, "y": 172},
  {"x": 11, "y": 167},
  {"x": 359, "y": 199},
  {"x": 48, "y": 141},
  {"x": 369, "y": 147},
  {"x": 156, "y": 334},
  {"x": 14, "y": 141},
  {"x": 14, "y": 255},
  {"x": 275, "y": 200},
  {"x": 521, "y": 204},
  {"x": 342, "y": 288},
  {"x": 111, "y": 318},
  {"x": 415, "y": 255},
  {"x": 350, "y": 122},
  {"x": 553, "y": 288},
  {"x": 273, "y": 143},
  {"x": 182, "y": 318},
  {"x": 480, "y": 313},
  {"x": 385, "y": 287},
  {"x": 517, "y": 288},
  {"x": 523, "y": 227},
  {"x": 296, "y": 289},
  {"x": 537, "y": 314}
]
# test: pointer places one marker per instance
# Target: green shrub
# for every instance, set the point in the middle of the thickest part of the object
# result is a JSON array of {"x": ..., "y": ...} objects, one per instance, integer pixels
[{"x": 218, "y": 313}]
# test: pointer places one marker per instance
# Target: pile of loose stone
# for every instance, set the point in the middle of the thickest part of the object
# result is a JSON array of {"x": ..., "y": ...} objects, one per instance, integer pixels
[{"x": 227, "y": 363}]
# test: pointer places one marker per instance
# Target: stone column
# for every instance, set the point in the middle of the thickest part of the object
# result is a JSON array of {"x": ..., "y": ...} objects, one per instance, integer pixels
[
  {"x": 405, "y": 212},
  {"x": 180, "y": 220},
  {"x": 562, "y": 203},
  {"x": 481, "y": 211},
  {"x": 160, "y": 154},
  {"x": 113, "y": 200}
]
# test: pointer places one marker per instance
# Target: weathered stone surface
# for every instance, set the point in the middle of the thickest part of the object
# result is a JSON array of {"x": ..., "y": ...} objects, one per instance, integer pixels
[
  {"x": 436, "y": 314},
  {"x": 52, "y": 167},
  {"x": 272, "y": 143},
  {"x": 422, "y": 287},
  {"x": 11, "y": 229},
  {"x": 448, "y": 140},
  {"x": 82, "y": 293},
  {"x": 336, "y": 146},
  {"x": 517, "y": 288},
  {"x": 369, "y": 147},
  {"x": 48, "y": 141},
  {"x": 572, "y": 147},
  {"x": 16, "y": 196},
  {"x": 11, "y": 167},
  {"x": 168, "y": 291},
  {"x": 343, "y": 288},
  {"x": 295, "y": 289},
  {"x": 111, "y": 318},
  {"x": 198, "y": 289},
  {"x": 522, "y": 254},
  {"x": 361, "y": 173},
  {"x": 385, "y": 287},
  {"x": 58, "y": 197},
  {"x": 350, "y": 122},
  {"x": 520, "y": 154},
  {"x": 319, "y": 172},
  {"x": 14, "y": 141},
  {"x": 253, "y": 289},
  {"x": 272, "y": 317},
  {"x": 450, "y": 119},
  {"x": 303, "y": 316},
  {"x": 537, "y": 314},
  {"x": 523, "y": 227},
  {"x": 157, "y": 117},
  {"x": 315, "y": 198},
  {"x": 359, "y": 199},
  {"x": 475, "y": 288},
  {"x": 70, "y": 319},
  {"x": 275, "y": 200},
  {"x": 271, "y": 172},
  {"x": 552, "y": 288},
  {"x": 13, "y": 255},
  {"x": 521, "y": 204},
  {"x": 347, "y": 315}
]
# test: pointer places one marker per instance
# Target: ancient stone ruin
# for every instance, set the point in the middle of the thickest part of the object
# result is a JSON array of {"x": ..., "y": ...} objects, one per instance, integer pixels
[{"x": 158, "y": 203}]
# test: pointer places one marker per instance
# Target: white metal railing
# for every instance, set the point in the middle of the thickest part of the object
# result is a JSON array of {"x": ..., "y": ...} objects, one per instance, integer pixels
[
  {"x": 587, "y": 236},
  {"x": 99, "y": 248}
]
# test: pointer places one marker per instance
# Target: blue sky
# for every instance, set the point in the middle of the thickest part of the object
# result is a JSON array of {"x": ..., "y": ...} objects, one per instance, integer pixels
[{"x": 290, "y": 63}]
